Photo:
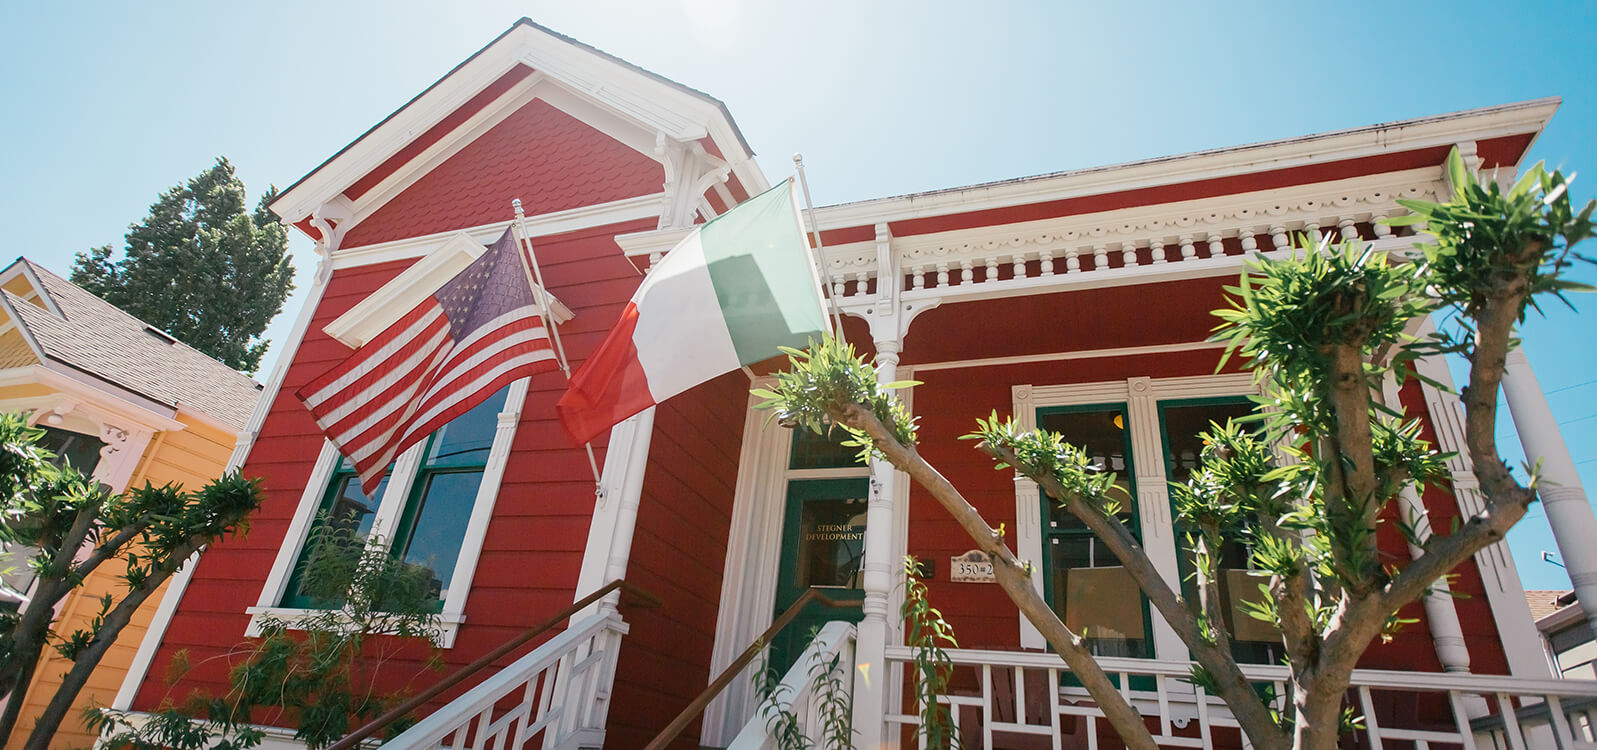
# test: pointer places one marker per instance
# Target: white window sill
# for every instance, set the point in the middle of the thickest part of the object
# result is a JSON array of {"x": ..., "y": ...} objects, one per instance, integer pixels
[{"x": 294, "y": 618}]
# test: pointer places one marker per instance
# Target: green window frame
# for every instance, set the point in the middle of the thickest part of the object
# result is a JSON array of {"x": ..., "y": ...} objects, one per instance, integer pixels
[
  {"x": 1064, "y": 537},
  {"x": 437, "y": 508},
  {"x": 1252, "y": 643}
]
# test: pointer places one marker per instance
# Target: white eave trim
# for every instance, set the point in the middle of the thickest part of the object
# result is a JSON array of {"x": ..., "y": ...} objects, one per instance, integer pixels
[
  {"x": 185, "y": 411},
  {"x": 132, "y": 409},
  {"x": 1405, "y": 135}
]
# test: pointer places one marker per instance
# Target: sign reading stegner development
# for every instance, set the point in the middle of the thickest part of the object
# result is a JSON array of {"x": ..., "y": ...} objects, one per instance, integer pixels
[{"x": 971, "y": 567}]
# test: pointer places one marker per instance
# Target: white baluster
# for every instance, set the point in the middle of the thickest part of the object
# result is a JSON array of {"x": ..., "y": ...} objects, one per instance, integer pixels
[
  {"x": 920, "y": 277},
  {"x": 1188, "y": 252},
  {"x": 1250, "y": 243},
  {"x": 1349, "y": 231},
  {"x": 942, "y": 275},
  {"x": 861, "y": 280},
  {"x": 1100, "y": 257},
  {"x": 1128, "y": 253},
  {"x": 837, "y": 286},
  {"x": 1019, "y": 265},
  {"x": 992, "y": 270},
  {"x": 1382, "y": 231},
  {"x": 1046, "y": 258},
  {"x": 1312, "y": 230},
  {"x": 1156, "y": 249},
  {"x": 1216, "y": 244},
  {"x": 965, "y": 268},
  {"x": 1072, "y": 260},
  {"x": 1278, "y": 235}
]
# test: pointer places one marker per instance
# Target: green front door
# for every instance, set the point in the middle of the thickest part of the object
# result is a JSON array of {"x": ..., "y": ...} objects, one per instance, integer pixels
[{"x": 823, "y": 546}]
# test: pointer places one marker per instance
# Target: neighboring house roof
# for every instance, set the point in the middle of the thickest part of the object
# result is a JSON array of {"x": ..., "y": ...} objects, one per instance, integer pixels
[
  {"x": 93, "y": 336},
  {"x": 1544, "y": 602}
]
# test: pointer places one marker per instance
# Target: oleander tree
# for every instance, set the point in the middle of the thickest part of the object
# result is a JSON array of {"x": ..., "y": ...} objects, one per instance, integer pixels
[
  {"x": 74, "y": 526},
  {"x": 1307, "y": 483}
]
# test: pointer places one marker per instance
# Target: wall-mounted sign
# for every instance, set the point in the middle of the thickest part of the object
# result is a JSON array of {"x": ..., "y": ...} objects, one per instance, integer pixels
[{"x": 971, "y": 567}]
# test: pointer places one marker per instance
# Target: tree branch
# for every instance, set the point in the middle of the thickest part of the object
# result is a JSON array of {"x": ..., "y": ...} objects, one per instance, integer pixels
[
  {"x": 1232, "y": 686},
  {"x": 1011, "y": 574}
]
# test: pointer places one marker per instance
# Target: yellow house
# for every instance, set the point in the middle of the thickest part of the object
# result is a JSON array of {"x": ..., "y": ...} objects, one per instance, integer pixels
[{"x": 125, "y": 402}]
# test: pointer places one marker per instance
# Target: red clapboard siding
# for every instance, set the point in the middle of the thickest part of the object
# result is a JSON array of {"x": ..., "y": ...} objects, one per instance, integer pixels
[
  {"x": 679, "y": 553},
  {"x": 547, "y": 158},
  {"x": 533, "y": 549},
  {"x": 949, "y": 401}
]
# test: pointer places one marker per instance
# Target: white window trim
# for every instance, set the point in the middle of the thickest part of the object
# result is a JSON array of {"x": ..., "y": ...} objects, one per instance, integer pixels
[
  {"x": 753, "y": 554},
  {"x": 395, "y": 497},
  {"x": 1141, "y": 396}
]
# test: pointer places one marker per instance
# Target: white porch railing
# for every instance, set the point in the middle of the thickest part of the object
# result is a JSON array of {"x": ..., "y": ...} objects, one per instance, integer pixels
[
  {"x": 797, "y": 691},
  {"x": 1003, "y": 699},
  {"x": 556, "y": 698}
]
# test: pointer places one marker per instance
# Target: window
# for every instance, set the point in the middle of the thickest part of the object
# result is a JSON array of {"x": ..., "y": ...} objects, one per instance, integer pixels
[
  {"x": 1085, "y": 582},
  {"x": 1181, "y": 422},
  {"x": 75, "y": 448},
  {"x": 1123, "y": 426},
  {"x": 436, "y": 485}
]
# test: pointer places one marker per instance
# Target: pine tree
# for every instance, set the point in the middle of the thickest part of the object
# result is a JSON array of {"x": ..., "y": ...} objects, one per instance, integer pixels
[{"x": 200, "y": 266}]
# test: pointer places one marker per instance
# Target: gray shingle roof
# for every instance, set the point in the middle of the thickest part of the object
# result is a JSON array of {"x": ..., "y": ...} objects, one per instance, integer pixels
[{"x": 100, "y": 339}]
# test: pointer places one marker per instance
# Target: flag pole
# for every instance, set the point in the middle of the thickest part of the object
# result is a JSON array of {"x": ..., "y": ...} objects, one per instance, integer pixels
[
  {"x": 529, "y": 264},
  {"x": 820, "y": 257}
]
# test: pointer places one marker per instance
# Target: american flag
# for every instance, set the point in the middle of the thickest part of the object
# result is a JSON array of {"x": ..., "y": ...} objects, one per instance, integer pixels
[{"x": 479, "y": 332}]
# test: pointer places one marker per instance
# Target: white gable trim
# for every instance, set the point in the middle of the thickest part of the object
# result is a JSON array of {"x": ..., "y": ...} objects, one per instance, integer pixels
[
  {"x": 654, "y": 105},
  {"x": 24, "y": 269},
  {"x": 400, "y": 295}
]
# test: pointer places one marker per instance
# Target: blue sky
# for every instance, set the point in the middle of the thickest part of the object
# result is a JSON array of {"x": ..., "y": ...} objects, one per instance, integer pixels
[{"x": 107, "y": 104}]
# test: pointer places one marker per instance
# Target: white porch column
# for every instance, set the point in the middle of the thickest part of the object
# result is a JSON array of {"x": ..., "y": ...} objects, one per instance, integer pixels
[
  {"x": 870, "y": 650},
  {"x": 1440, "y": 613},
  {"x": 1447, "y": 633},
  {"x": 609, "y": 546},
  {"x": 1568, "y": 510}
]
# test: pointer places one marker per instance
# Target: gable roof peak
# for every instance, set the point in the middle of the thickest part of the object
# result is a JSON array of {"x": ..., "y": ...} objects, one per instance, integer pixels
[{"x": 652, "y": 102}]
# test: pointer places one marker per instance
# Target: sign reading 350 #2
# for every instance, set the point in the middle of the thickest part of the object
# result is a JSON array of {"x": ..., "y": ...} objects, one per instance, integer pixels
[{"x": 971, "y": 567}]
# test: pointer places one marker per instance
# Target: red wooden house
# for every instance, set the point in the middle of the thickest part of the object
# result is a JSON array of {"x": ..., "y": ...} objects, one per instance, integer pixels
[{"x": 727, "y": 519}]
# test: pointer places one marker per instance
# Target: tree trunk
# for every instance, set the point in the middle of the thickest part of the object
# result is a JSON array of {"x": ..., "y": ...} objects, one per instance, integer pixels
[
  {"x": 117, "y": 619},
  {"x": 56, "y": 711},
  {"x": 31, "y": 635},
  {"x": 1318, "y": 704}
]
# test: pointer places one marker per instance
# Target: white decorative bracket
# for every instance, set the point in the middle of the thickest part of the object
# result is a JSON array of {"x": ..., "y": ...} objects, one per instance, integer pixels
[{"x": 120, "y": 455}]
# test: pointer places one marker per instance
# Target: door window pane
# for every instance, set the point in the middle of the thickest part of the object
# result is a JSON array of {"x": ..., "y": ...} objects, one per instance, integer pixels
[
  {"x": 822, "y": 451},
  {"x": 831, "y": 543}
]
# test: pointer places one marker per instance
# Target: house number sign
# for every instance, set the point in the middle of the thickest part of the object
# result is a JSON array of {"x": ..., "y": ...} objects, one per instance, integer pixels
[{"x": 971, "y": 567}]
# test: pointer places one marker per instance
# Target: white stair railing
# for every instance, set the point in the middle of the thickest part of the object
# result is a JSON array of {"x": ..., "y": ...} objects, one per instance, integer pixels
[
  {"x": 1028, "y": 694},
  {"x": 833, "y": 647},
  {"x": 556, "y": 698}
]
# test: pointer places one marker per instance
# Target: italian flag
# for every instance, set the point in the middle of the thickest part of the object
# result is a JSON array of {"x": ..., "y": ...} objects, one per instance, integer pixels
[{"x": 728, "y": 295}]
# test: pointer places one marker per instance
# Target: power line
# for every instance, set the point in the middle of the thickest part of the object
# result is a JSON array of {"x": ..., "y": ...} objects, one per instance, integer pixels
[{"x": 1572, "y": 387}]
